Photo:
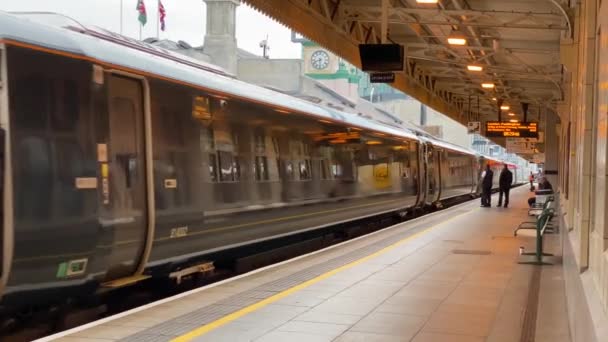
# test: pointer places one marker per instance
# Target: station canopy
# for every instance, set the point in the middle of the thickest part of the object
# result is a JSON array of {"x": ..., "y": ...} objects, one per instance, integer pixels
[{"x": 464, "y": 58}]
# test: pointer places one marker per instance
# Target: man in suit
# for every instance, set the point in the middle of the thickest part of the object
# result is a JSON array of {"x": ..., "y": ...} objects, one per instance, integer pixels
[
  {"x": 504, "y": 184},
  {"x": 486, "y": 187}
]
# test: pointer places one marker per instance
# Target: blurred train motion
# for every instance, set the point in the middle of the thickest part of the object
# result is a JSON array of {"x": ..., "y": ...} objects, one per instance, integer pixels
[{"x": 122, "y": 161}]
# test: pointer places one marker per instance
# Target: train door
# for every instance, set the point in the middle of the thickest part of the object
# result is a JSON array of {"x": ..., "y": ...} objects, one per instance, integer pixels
[
  {"x": 127, "y": 180},
  {"x": 432, "y": 163},
  {"x": 474, "y": 174},
  {"x": 6, "y": 237},
  {"x": 422, "y": 173}
]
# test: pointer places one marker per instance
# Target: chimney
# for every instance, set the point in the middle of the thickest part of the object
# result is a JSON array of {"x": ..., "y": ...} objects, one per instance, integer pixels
[{"x": 220, "y": 37}]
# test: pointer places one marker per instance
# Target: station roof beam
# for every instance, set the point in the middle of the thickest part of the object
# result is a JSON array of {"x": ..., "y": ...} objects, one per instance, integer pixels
[{"x": 517, "y": 44}]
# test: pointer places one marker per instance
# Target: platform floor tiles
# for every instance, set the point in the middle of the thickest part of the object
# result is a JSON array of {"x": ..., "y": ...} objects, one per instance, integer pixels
[{"x": 458, "y": 281}]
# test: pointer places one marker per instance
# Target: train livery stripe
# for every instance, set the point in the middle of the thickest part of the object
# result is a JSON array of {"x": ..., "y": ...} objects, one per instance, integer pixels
[{"x": 254, "y": 307}]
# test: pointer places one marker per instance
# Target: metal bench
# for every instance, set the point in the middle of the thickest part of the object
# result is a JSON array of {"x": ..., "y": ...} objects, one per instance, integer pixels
[
  {"x": 548, "y": 207},
  {"x": 541, "y": 229}
]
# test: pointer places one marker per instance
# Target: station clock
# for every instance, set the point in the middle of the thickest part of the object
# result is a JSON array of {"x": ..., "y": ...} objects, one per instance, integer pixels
[{"x": 319, "y": 59}]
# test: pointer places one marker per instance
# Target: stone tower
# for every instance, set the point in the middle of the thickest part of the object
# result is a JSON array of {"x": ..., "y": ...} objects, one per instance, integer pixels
[{"x": 220, "y": 37}]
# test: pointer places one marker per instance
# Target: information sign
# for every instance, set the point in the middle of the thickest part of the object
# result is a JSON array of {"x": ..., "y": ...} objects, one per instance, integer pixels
[
  {"x": 474, "y": 127},
  {"x": 496, "y": 129},
  {"x": 382, "y": 77}
]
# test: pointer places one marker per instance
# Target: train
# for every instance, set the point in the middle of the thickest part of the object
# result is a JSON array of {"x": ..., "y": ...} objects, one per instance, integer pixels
[{"x": 122, "y": 161}]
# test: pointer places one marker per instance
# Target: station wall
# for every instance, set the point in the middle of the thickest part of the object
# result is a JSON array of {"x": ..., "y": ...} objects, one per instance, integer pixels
[{"x": 583, "y": 132}]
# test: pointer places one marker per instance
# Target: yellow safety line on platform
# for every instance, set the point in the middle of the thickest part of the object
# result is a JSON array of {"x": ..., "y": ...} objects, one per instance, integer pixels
[{"x": 249, "y": 309}]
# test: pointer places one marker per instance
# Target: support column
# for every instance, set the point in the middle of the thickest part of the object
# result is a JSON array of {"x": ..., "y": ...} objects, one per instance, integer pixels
[
  {"x": 220, "y": 37},
  {"x": 551, "y": 147}
]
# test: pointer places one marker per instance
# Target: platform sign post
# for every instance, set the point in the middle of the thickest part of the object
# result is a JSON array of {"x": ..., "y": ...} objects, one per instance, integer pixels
[{"x": 496, "y": 129}]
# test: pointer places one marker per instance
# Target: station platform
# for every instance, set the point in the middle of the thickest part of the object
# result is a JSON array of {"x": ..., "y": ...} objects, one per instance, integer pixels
[{"x": 451, "y": 276}]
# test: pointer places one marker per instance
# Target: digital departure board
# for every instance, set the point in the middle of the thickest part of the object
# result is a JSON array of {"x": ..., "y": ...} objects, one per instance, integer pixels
[{"x": 496, "y": 129}]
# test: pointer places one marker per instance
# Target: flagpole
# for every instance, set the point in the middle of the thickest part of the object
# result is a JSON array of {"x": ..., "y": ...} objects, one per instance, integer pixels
[
  {"x": 158, "y": 20},
  {"x": 121, "y": 7},
  {"x": 140, "y": 26}
]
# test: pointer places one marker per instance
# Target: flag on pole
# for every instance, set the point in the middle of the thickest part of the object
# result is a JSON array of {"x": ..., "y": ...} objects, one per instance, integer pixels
[
  {"x": 141, "y": 8},
  {"x": 162, "y": 13}
]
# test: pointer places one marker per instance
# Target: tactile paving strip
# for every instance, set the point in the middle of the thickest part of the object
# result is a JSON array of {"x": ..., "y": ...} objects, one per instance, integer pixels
[{"x": 209, "y": 313}]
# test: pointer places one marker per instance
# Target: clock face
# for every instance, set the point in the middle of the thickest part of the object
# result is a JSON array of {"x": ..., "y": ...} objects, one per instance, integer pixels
[{"x": 319, "y": 60}]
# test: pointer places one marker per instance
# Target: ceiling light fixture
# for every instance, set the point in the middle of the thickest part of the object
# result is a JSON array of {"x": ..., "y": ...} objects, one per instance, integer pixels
[
  {"x": 487, "y": 85},
  {"x": 505, "y": 107},
  {"x": 427, "y": 1},
  {"x": 457, "y": 38},
  {"x": 511, "y": 114},
  {"x": 474, "y": 68},
  {"x": 513, "y": 120},
  {"x": 493, "y": 99}
]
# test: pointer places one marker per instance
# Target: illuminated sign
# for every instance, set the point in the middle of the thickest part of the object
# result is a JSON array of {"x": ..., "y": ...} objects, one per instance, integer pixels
[{"x": 496, "y": 129}]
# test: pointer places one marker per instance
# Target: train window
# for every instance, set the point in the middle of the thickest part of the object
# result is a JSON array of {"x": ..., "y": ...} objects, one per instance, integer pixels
[
  {"x": 305, "y": 168},
  {"x": 236, "y": 168},
  {"x": 65, "y": 104},
  {"x": 207, "y": 139},
  {"x": 171, "y": 119},
  {"x": 275, "y": 146},
  {"x": 31, "y": 100},
  {"x": 235, "y": 141},
  {"x": 261, "y": 168},
  {"x": 336, "y": 170},
  {"x": 260, "y": 141},
  {"x": 324, "y": 169},
  {"x": 70, "y": 164},
  {"x": 289, "y": 170},
  {"x": 212, "y": 167},
  {"x": 306, "y": 149},
  {"x": 226, "y": 163}
]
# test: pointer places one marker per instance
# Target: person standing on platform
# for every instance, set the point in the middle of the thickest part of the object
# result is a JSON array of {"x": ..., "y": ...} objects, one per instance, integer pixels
[
  {"x": 531, "y": 181},
  {"x": 504, "y": 184},
  {"x": 486, "y": 187}
]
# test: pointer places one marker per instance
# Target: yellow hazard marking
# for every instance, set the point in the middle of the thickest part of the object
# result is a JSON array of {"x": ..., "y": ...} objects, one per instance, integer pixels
[{"x": 256, "y": 306}]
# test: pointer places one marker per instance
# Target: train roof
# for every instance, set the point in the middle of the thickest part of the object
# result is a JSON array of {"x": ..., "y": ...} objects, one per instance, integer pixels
[
  {"x": 113, "y": 50},
  {"x": 88, "y": 43}
]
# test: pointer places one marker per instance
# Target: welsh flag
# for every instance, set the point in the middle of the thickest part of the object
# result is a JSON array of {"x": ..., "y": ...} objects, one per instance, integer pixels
[
  {"x": 162, "y": 13},
  {"x": 141, "y": 8}
]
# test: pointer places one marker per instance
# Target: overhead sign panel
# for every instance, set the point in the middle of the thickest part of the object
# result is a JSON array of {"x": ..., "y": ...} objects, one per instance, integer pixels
[
  {"x": 495, "y": 129},
  {"x": 381, "y": 57}
]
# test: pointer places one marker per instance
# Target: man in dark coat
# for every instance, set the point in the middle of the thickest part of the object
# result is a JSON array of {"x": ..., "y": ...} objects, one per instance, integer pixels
[
  {"x": 504, "y": 183},
  {"x": 486, "y": 187}
]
